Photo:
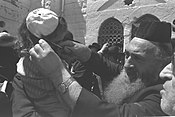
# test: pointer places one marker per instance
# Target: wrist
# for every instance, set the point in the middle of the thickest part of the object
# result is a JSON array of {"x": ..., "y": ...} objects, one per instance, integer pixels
[{"x": 64, "y": 86}]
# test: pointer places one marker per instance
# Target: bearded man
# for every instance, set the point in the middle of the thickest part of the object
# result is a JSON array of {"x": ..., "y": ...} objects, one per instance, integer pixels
[{"x": 135, "y": 92}]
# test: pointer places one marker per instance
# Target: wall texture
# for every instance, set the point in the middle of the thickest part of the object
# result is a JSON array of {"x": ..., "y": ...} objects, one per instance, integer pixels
[
  {"x": 12, "y": 13},
  {"x": 100, "y": 10},
  {"x": 84, "y": 17}
]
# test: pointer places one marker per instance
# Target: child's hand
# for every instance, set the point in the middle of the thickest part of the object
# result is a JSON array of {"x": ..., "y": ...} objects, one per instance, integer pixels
[{"x": 45, "y": 58}]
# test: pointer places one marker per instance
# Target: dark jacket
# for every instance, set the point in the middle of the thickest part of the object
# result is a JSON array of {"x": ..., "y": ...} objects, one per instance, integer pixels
[
  {"x": 145, "y": 103},
  {"x": 84, "y": 72},
  {"x": 103, "y": 67}
]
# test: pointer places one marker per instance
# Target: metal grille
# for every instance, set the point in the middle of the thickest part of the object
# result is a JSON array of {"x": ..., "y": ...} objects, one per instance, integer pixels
[{"x": 111, "y": 31}]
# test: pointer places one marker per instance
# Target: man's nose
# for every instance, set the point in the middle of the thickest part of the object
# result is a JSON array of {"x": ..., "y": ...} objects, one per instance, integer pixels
[{"x": 166, "y": 73}]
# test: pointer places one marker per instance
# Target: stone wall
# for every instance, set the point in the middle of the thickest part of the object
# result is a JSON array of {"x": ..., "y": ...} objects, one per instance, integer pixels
[
  {"x": 75, "y": 14},
  {"x": 12, "y": 12},
  {"x": 100, "y": 10}
]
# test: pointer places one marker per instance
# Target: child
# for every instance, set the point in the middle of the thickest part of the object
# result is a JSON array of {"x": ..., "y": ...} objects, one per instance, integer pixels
[{"x": 39, "y": 96}]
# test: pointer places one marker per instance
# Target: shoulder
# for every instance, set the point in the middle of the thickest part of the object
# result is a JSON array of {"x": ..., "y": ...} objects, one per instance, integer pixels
[
  {"x": 147, "y": 102},
  {"x": 149, "y": 92}
]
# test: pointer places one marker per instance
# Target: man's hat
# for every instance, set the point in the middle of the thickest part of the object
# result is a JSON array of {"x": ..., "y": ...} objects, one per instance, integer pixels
[
  {"x": 155, "y": 31},
  {"x": 7, "y": 40},
  {"x": 42, "y": 22},
  {"x": 9, "y": 56}
]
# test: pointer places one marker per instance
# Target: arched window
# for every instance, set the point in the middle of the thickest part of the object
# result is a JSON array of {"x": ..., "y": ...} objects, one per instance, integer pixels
[{"x": 111, "y": 31}]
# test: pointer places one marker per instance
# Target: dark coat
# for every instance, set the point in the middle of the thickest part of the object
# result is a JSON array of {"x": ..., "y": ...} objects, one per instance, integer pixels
[
  {"x": 145, "y": 103},
  {"x": 103, "y": 67}
]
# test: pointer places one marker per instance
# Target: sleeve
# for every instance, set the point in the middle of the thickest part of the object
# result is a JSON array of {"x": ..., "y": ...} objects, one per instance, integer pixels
[
  {"x": 102, "y": 66},
  {"x": 89, "y": 105},
  {"x": 21, "y": 105}
]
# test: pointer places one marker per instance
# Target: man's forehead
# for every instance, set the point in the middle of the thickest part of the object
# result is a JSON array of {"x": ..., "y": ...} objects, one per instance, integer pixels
[{"x": 140, "y": 45}]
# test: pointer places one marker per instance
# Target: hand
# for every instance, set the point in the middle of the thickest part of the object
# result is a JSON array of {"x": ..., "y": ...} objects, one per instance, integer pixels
[
  {"x": 104, "y": 48},
  {"x": 80, "y": 51},
  {"x": 166, "y": 73},
  {"x": 3, "y": 86},
  {"x": 48, "y": 62}
]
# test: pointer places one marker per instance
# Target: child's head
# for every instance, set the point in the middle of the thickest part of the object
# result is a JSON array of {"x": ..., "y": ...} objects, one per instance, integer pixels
[{"x": 42, "y": 23}]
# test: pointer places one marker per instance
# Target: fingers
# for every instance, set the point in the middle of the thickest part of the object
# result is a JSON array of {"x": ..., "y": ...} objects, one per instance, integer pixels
[
  {"x": 68, "y": 50},
  {"x": 38, "y": 49},
  {"x": 44, "y": 45},
  {"x": 68, "y": 46},
  {"x": 67, "y": 43},
  {"x": 33, "y": 54},
  {"x": 4, "y": 86}
]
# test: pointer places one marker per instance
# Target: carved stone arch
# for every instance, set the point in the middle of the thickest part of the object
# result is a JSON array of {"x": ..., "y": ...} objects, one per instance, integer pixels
[{"x": 111, "y": 31}]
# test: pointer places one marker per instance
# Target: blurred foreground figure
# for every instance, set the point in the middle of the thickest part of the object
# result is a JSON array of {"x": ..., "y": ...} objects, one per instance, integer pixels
[
  {"x": 168, "y": 93},
  {"x": 8, "y": 60}
]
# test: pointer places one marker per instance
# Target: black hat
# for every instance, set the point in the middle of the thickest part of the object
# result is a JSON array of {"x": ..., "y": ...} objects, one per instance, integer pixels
[
  {"x": 7, "y": 40},
  {"x": 155, "y": 31},
  {"x": 137, "y": 21}
]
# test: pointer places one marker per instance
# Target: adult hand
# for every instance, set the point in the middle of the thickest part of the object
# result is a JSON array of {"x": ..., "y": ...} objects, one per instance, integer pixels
[
  {"x": 48, "y": 62},
  {"x": 4, "y": 86},
  {"x": 104, "y": 48},
  {"x": 166, "y": 73},
  {"x": 80, "y": 51}
]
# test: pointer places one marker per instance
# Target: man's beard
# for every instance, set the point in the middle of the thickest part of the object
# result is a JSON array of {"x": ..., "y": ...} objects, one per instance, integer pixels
[{"x": 122, "y": 89}]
